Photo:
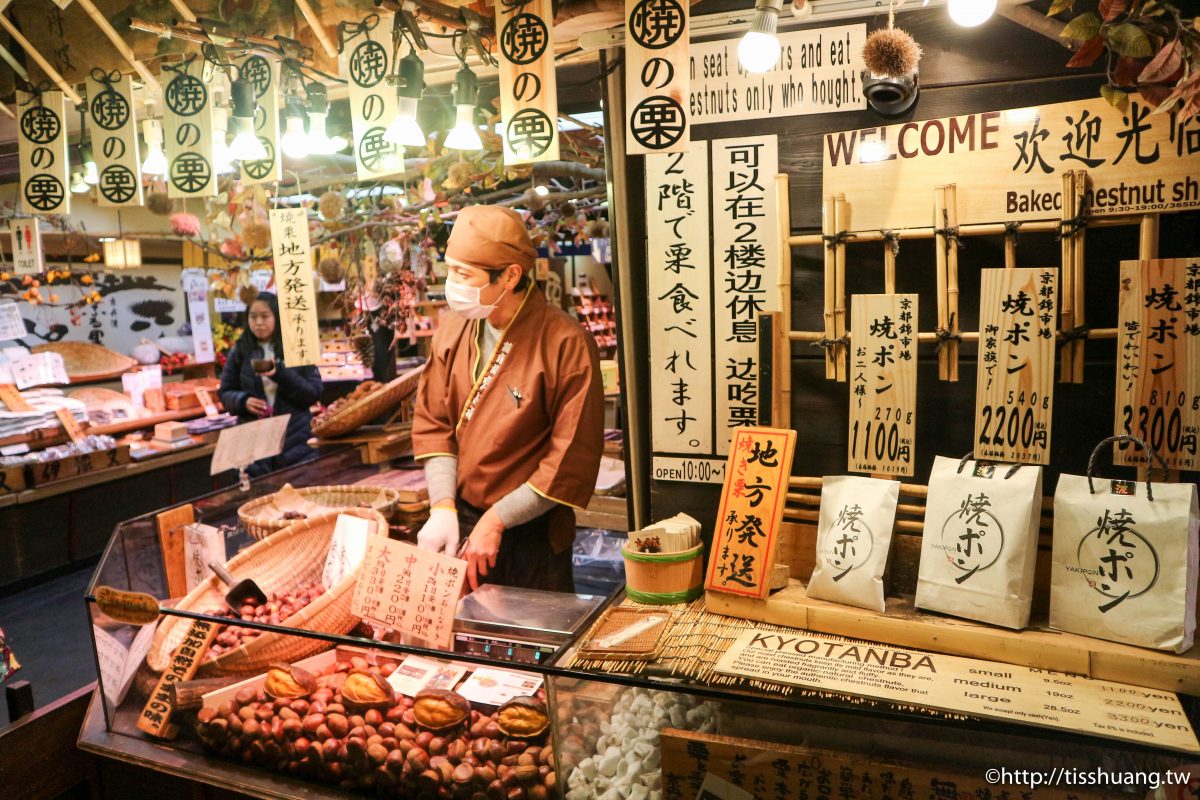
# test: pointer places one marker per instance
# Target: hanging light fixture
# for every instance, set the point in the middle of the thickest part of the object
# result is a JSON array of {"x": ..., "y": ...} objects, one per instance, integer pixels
[
  {"x": 464, "y": 135},
  {"x": 221, "y": 158},
  {"x": 410, "y": 85},
  {"x": 759, "y": 49},
  {"x": 91, "y": 175},
  {"x": 78, "y": 184},
  {"x": 971, "y": 13},
  {"x": 319, "y": 142},
  {"x": 295, "y": 137},
  {"x": 156, "y": 160},
  {"x": 245, "y": 145}
]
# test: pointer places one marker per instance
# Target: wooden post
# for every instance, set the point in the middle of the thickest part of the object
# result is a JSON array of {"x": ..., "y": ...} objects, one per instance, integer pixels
[
  {"x": 314, "y": 22},
  {"x": 18, "y": 696},
  {"x": 1010, "y": 249},
  {"x": 842, "y": 215},
  {"x": 171, "y": 540},
  {"x": 943, "y": 324},
  {"x": 47, "y": 68},
  {"x": 184, "y": 12},
  {"x": 1077, "y": 245},
  {"x": 117, "y": 42},
  {"x": 1066, "y": 315},
  {"x": 952, "y": 279},
  {"x": 889, "y": 267},
  {"x": 829, "y": 224},
  {"x": 1147, "y": 251},
  {"x": 783, "y": 342}
]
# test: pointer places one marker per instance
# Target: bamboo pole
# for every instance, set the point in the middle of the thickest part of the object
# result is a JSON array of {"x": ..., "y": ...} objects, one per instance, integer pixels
[
  {"x": 889, "y": 268},
  {"x": 828, "y": 223},
  {"x": 125, "y": 50},
  {"x": 977, "y": 229},
  {"x": 842, "y": 214},
  {"x": 943, "y": 312},
  {"x": 1148, "y": 237},
  {"x": 184, "y": 11},
  {"x": 314, "y": 22},
  {"x": 1066, "y": 311},
  {"x": 932, "y": 338},
  {"x": 783, "y": 344},
  {"x": 45, "y": 65},
  {"x": 1010, "y": 249},
  {"x": 1080, "y": 345},
  {"x": 952, "y": 279}
]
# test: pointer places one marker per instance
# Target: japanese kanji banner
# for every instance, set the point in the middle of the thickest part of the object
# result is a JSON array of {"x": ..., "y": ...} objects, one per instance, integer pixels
[
  {"x": 1008, "y": 165},
  {"x": 1158, "y": 360},
  {"x": 883, "y": 383},
  {"x": 188, "y": 131},
  {"x": 113, "y": 127},
  {"x": 528, "y": 88},
  {"x": 195, "y": 289},
  {"x": 294, "y": 282},
  {"x": 656, "y": 76},
  {"x": 1014, "y": 387},
  {"x": 680, "y": 298},
  {"x": 745, "y": 233},
  {"x": 42, "y": 150},
  {"x": 264, "y": 75},
  {"x": 366, "y": 63}
]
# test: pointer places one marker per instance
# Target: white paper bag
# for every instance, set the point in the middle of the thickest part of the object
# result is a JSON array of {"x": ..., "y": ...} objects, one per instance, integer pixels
[
  {"x": 979, "y": 546},
  {"x": 853, "y": 537},
  {"x": 1125, "y": 561}
]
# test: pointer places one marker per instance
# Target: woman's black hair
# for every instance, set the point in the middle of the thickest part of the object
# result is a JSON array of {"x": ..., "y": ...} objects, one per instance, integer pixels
[{"x": 272, "y": 302}]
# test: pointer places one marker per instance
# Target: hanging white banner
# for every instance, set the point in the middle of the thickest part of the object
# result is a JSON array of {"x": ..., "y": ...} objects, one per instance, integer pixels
[
  {"x": 294, "y": 283},
  {"x": 195, "y": 289},
  {"x": 113, "y": 127},
  {"x": 656, "y": 78},
  {"x": 187, "y": 126},
  {"x": 264, "y": 75},
  {"x": 42, "y": 151},
  {"x": 528, "y": 88},
  {"x": 366, "y": 63}
]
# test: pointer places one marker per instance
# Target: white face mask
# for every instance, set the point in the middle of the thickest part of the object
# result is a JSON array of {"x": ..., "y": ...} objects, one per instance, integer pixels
[{"x": 465, "y": 299}]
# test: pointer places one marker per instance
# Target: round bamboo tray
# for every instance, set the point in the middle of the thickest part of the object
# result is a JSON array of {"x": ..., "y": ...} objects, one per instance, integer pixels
[
  {"x": 376, "y": 404},
  {"x": 664, "y": 578},
  {"x": 260, "y": 525},
  {"x": 291, "y": 559},
  {"x": 85, "y": 361}
]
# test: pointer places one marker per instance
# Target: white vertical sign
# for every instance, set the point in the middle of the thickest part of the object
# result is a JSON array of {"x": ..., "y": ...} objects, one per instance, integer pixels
[
  {"x": 366, "y": 63},
  {"x": 294, "y": 282},
  {"x": 745, "y": 232},
  {"x": 528, "y": 88},
  {"x": 195, "y": 288},
  {"x": 42, "y": 151},
  {"x": 264, "y": 75},
  {"x": 113, "y": 127},
  {"x": 27, "y": 246},
  {"x": 657, "y": 76},
  {"x": 188, "y": 131},
  {"x": 680, "y": 298}
]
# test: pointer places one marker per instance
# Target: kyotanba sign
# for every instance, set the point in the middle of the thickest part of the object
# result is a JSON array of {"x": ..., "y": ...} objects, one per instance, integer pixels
[{"x": 1008, "y": 165}]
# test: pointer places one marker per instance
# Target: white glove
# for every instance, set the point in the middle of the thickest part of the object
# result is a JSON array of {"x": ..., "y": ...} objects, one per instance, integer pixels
[{"x": 440, "y": 532}]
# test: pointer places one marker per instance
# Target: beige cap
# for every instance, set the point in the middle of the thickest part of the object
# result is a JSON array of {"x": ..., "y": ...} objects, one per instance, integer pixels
[{"x": 490, "y": 237}]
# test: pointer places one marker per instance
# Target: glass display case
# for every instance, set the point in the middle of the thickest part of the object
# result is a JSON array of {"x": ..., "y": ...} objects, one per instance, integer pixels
[{"x": 333, "y": 712}]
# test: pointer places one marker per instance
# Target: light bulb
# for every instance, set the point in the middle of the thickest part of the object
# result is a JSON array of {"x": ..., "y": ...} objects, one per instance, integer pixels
[
  {"x": 759, "y": 49},
  {"x": 156, "y": 159},
  {"x": 338, "y": 143},
  {"x": 541, "y": 191},
  {"x": 295, "y": 138},
  {"x": 970, "y": 13},
  {"x": 404, "y": 129},
  {"x": 91, "y": 175},
  {"x": 222, "y": 161},
  {"x": 246, "y": 145},
  {"x": 318, "y": 141},
  {"x": 464, "y": 135},
  {"x": 78, "y": 184}
]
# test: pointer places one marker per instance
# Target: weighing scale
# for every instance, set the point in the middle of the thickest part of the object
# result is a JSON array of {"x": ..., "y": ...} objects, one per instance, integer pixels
[{"x": 521, "y": 626}]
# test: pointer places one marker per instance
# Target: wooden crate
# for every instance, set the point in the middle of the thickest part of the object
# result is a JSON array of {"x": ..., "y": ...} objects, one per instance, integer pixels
[{"x": 73, "y": 466}]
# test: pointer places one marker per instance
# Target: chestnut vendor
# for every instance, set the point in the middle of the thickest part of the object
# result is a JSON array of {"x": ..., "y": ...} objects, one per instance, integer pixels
[{"x": 510, "y": 417}]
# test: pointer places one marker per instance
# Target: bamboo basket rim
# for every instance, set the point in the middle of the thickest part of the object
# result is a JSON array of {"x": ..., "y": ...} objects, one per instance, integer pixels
[
  {"x": 85, "y": 361},
  {"x": 247, "y": 518},
  {"x": 379, "y": 402}
]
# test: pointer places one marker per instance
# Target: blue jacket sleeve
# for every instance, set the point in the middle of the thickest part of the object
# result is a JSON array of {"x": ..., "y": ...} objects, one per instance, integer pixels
[{"x": 233, "y": 397}]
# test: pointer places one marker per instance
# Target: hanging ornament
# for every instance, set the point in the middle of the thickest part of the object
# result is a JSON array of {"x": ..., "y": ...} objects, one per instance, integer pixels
[
  {"x": 458, "y": 176},
  {"x": 256, "y": 235},
  {"x": 247, "y": 294},
  {"x": 159, "y": 203},
  {"x": 364, "y": 345},
  {"x": 332, "y": 205},
  {"x": 890, "y": 78},
  {"x": 331, "y": 269},
  {"x": 598, "y": 229},
  {"x": 185, "y": 224},
  {"x": 391, "y": 257}
]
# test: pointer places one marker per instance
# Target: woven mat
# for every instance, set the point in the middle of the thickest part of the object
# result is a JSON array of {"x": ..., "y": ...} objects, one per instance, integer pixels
[{"x": 697, "y": 640}]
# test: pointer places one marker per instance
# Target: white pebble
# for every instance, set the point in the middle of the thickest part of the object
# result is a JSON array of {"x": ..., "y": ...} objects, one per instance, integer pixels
[
  {"x": 638, "y": 792},
  {"x": 608, "y": 764},
  {"x": 588, "y": 768}
]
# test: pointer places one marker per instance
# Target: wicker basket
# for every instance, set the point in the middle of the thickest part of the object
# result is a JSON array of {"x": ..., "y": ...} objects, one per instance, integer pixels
[
  {"x": 664, "y": 578},
  {"x": 291, "y": 559},
  {"x": 379, "y": 402},
  {"x": 85, "y": 361},
  {"x": 260, "y": 525}
]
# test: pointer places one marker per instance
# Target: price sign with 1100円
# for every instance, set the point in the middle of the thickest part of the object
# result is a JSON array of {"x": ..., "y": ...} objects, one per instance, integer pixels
[{"x": 883, "y": 383}]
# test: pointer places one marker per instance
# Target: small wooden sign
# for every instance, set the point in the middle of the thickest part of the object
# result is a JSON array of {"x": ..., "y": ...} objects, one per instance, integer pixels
[
  {"x": 244, "y": 444},
  {"x": 747, "y": 528},
  {"x": 153, "y": 400},
  {"x": 528, "y": 88},
  {"x": 883, "y": 383},
  {"x": 657, "y": 76},
  {"x": 155, "y": 718},
  {"x": 42, "y": 152},
  {"x": 1014, "y": 386},
  {"x": 409, "y": 589},
  {"x": 112, "y": 122},
  {"x": 294, "y": 277},
  {"x": 365, "y": 64},
  {"x": 69, "y": 424},
  {"x": 188, "y": 135},
  {"x": 13, "y": 399},
  {"x": 171, "y": 524},
  {"x": 264, "y": 74},
  {"x": 132, "y": 608},
  {"x": 206, "y": 402},
  {"x": 1158, "y": 370}
]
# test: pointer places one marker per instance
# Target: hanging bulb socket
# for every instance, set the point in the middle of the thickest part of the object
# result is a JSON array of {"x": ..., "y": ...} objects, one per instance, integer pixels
[
  {"x": 318, "y": 98},
  {"x": 243, "y": 100},
  {"x": 466, "y": 87},
  {"x": 410, "y": 77}
]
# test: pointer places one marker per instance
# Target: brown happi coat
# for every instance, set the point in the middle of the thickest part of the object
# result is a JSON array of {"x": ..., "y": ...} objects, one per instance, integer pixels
[{"x": 536, "y": 414}]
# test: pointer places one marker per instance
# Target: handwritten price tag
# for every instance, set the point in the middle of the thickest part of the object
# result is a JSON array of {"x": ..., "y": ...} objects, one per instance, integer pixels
[
  {"x": 412, "y": 590},
  {"x": 70, "y": 424},
  {"x": 206, "y": 402},
  {"x": 13, "y": 399}
]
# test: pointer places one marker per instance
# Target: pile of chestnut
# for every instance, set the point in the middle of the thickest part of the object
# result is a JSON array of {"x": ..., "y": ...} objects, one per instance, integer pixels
[
  {"x": 274, "y": 611},
  {"x": 348, "y": 727}
]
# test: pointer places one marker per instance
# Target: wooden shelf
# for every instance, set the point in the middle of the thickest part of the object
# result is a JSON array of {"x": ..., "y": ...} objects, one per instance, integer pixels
[{"x": 903, "y": 625}]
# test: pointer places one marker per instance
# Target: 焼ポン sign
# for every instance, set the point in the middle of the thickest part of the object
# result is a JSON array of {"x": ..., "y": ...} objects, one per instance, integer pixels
[
  {"x": 1008, "y": 165},
  {"x": 883, "y": 383},
  {"x": 747, "y": 528}
]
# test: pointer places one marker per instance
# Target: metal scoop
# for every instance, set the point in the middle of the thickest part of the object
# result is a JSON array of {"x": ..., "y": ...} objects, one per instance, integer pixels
[{"x": 239, "y": 591}]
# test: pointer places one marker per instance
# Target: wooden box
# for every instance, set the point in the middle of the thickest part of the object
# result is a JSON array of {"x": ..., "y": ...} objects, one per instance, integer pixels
[{"x": 74, "y": 466}]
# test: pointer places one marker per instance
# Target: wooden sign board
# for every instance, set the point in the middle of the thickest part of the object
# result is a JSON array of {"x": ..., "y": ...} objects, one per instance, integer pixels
[
  {"x": 883, "y": 384},
  {"x": 528, "y": 87},
  {"x": 751, "y": 511},
  {"x": 770, "y": 771},
  {"x": 131, "y": 608},
  {"x": 264, "y": 74},
  {"x": 1014, "y": 386},
  {"x": 365, "y": 64},
  {"x": 248, "y": 442},
  {"x": 155, "y": 718},
  {"x": 171, "y": 537},
  {"x": 42, "y": 152},
  {"x": 206, "y": 402},
  {"x": 1158, "y": 370},
  {"x": 13, "y": 400},
  {"x": 1008, "y": 165},
  {"x": 409, "y": 589},
  {"x": 188, "y": 135},
  {"x": 984, "y": 689},
  {"x": 680, "y": 297},
  {"x": 70, "y": 425},
  {"x": 745, "y": 234},
  {"x": 27, "y": 246},
  {"x": 294, "y": 280},
  {"x": 113, "y": 125},
  {"x": 657, "y": 79}
]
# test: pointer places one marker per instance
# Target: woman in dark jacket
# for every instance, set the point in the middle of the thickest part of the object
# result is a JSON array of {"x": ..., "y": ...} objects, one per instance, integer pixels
[{"x": 278, "y": 390}]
